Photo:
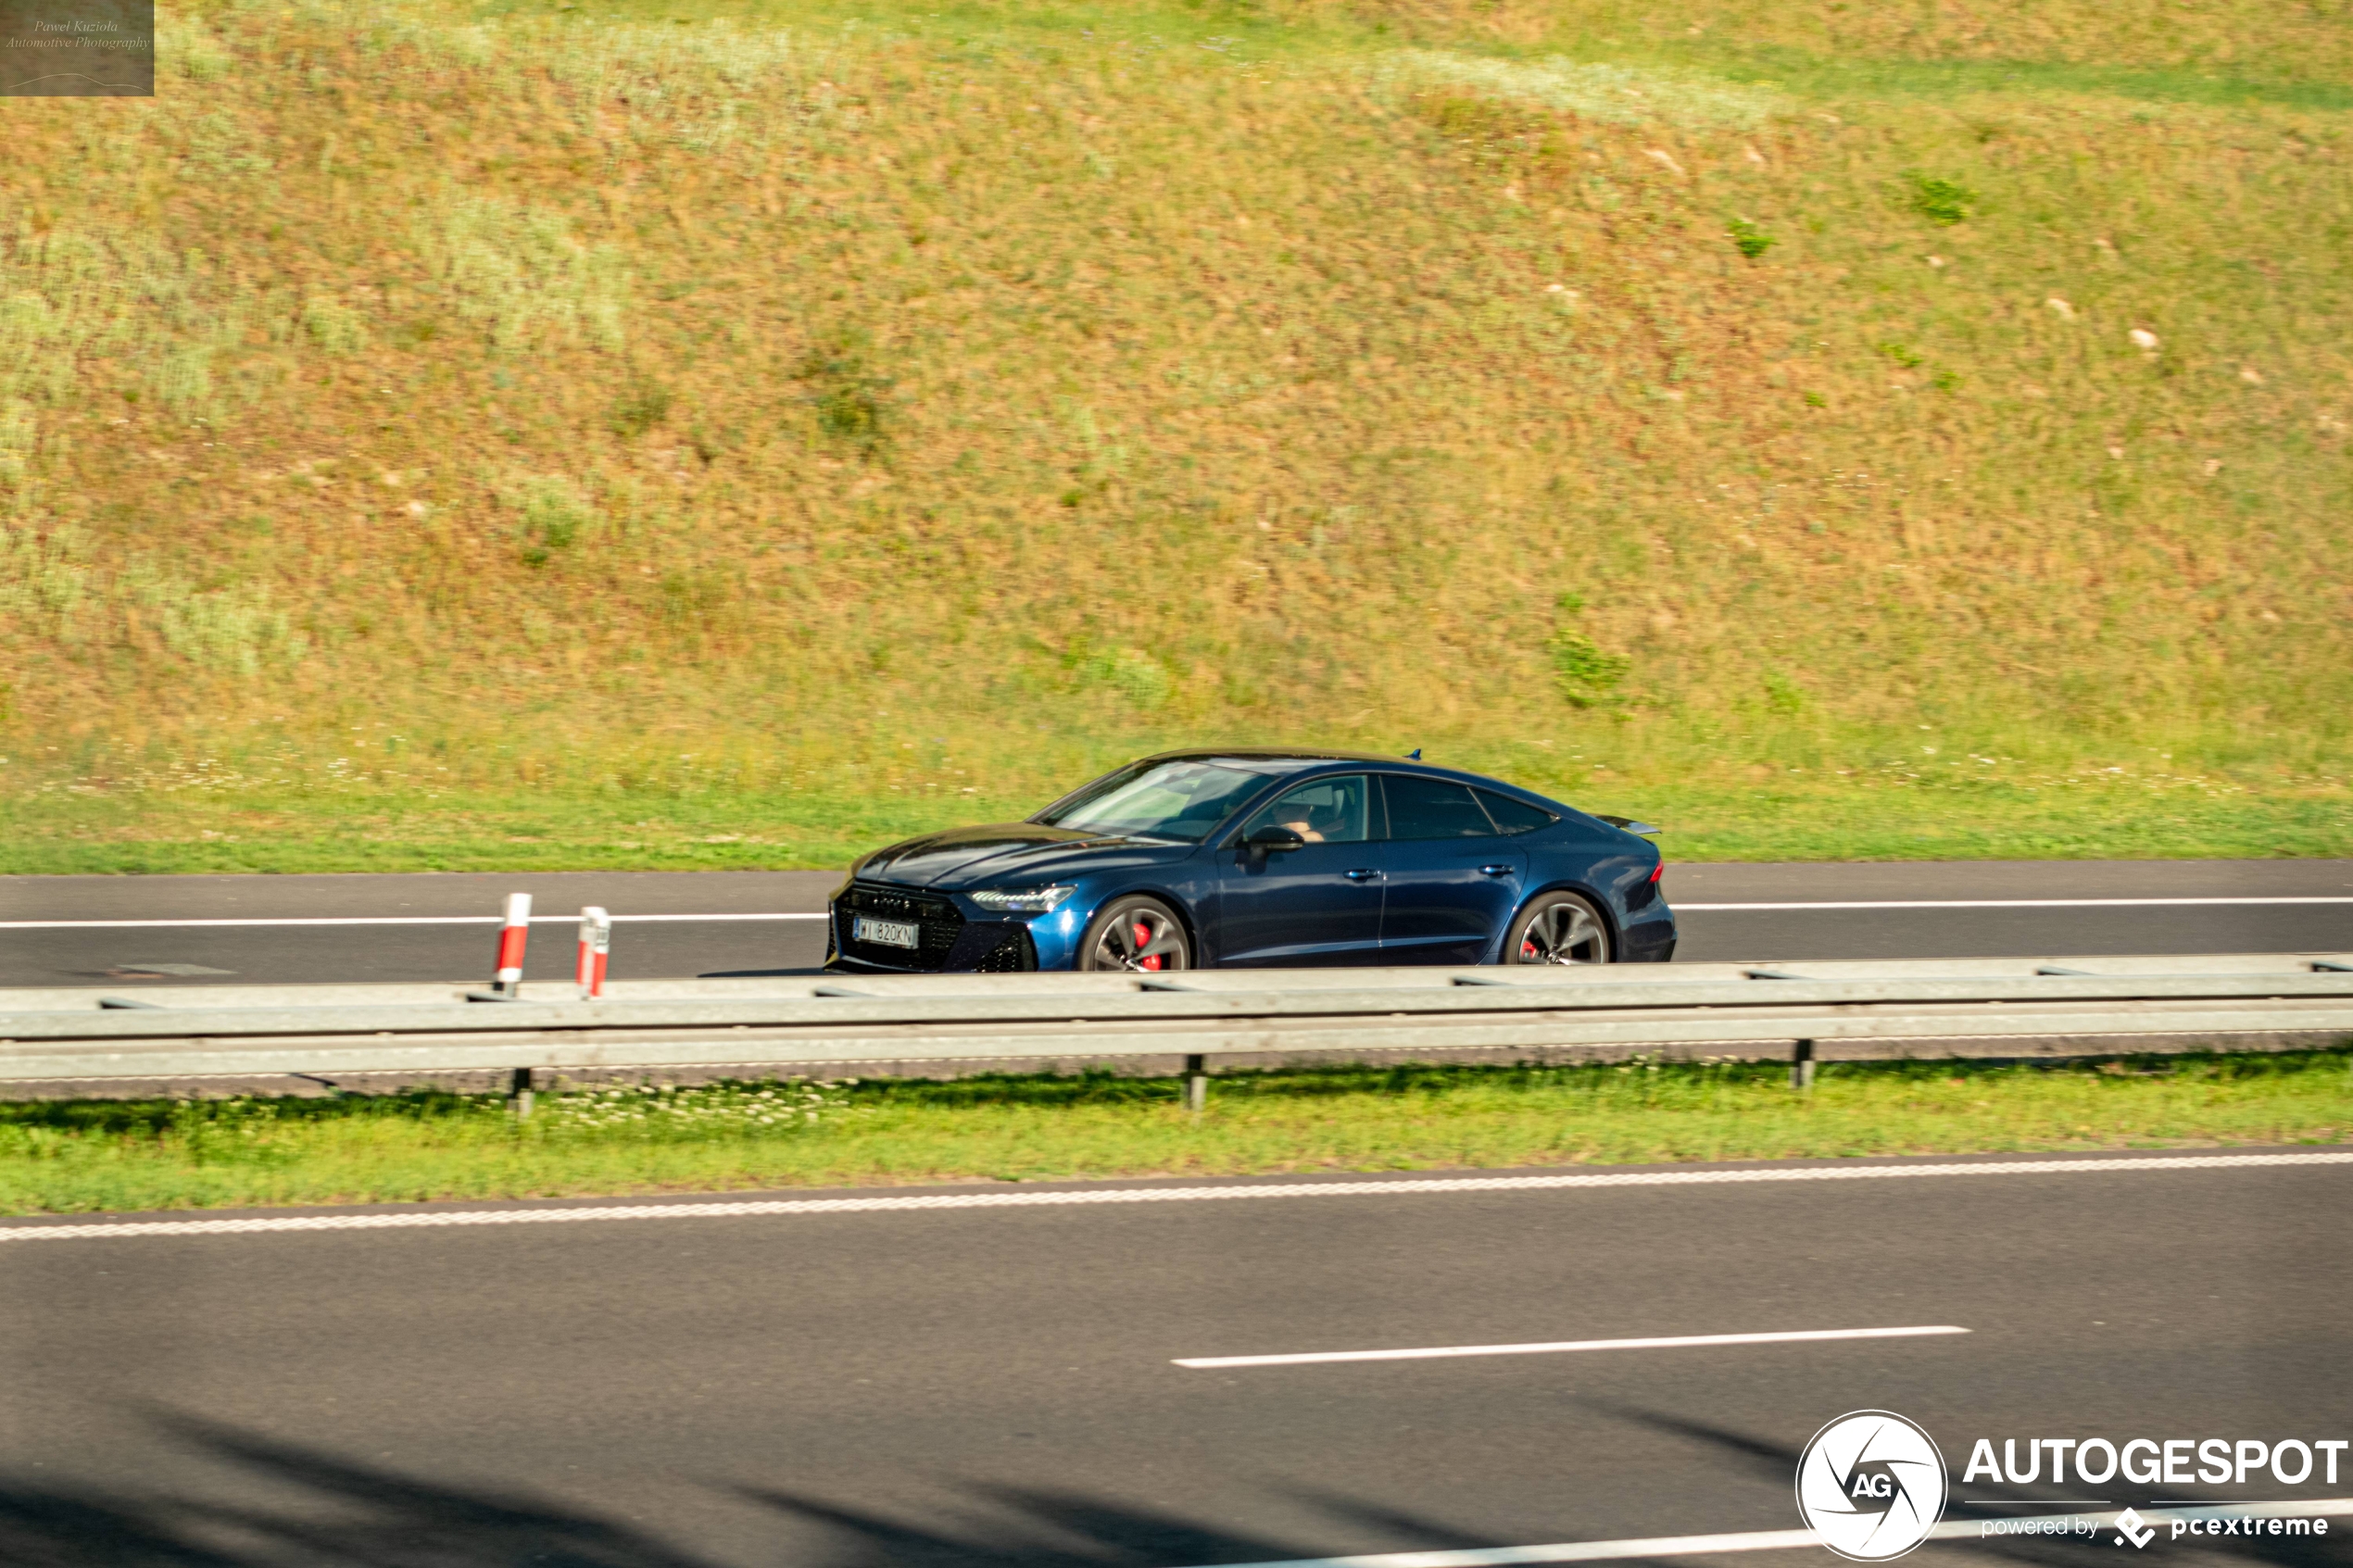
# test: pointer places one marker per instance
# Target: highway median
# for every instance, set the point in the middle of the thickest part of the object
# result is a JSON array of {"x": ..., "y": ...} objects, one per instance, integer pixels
[{"x": 123, "y": 1155}]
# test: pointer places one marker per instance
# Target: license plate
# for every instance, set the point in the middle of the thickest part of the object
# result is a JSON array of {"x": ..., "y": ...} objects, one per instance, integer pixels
[{"x": 883, "y": 933}]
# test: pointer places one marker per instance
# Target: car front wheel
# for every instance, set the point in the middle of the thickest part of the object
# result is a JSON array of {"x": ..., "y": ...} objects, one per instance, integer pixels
[
  {"x": 1137, "y": 934},
  {"x": 1557, "y": 928}
]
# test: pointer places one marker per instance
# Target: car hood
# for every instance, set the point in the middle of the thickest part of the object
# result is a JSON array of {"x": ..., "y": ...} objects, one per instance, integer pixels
[{"x": 1004, "y": 852}]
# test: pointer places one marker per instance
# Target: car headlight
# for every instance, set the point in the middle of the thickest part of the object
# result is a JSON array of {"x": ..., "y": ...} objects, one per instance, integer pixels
[{"x": 1024, "y": 900}]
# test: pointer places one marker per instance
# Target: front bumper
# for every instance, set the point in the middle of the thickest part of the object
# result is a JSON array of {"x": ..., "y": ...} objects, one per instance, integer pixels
[{"x": 947, "y": 940}]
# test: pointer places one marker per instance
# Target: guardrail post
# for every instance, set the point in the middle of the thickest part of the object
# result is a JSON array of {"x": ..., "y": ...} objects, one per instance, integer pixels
[
  {"x": 519, "y": 1093},
  {"x": 1800, "y": 1065},
  {"x": 1196, "y": 1084}
]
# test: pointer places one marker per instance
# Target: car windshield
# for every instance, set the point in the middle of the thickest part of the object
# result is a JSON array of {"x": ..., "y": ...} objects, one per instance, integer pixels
[{"x": 1181, "y": 800}]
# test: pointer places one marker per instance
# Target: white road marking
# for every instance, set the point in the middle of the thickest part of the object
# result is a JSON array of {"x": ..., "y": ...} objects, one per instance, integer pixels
[
  {"x": 1762, "y": 1540},
  {"x": 368, "y": 920},
  {"x": 1678, "y": 1342},
  {"x": 1679, "y": 908},
  {"x": 1563, "y": 1552},
  {"x": 1682, "y": 908},
  {"x": 434, "y": 1219}
]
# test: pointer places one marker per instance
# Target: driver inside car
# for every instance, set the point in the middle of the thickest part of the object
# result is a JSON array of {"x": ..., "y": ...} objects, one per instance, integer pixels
[
  {"x": 1327, "y": 811},
  {"x": 1312, "y": 821}
]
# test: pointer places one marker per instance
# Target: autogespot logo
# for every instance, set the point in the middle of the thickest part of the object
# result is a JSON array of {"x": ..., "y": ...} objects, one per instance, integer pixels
[{"x": 1871, "y": 1485}]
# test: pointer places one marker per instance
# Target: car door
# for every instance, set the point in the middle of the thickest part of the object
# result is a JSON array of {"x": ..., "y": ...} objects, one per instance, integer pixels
[
  {"x": 1315, "y": 905},
  {"x": 1452, "y": 879}
]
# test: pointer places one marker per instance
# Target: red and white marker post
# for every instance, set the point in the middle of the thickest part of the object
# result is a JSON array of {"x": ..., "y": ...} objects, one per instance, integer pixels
[
  {"x": 596, "y": 943},
  {"x": 512, "y": 938}
]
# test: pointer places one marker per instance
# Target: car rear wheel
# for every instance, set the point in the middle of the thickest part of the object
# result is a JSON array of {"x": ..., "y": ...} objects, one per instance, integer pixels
[
  {"x": 1136, "y": 933},
  {"x": 1557, "y": 928}
]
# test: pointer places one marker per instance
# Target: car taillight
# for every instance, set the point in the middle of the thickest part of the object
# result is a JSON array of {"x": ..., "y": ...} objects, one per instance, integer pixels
[{"x": 1658, "y": 871}]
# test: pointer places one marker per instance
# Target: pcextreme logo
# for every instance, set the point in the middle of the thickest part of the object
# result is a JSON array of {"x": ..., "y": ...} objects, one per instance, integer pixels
[{"x": 1871, "y": 1485}]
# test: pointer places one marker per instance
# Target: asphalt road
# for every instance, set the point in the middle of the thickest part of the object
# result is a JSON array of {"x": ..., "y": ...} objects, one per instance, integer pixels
[
  {"x": 1959, "y": 924},
  {"x": 994, "y": 1386}
]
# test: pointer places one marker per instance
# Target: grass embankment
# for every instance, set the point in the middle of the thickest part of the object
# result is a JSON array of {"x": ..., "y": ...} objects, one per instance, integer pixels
[
  {"x": 100, "y": 1156},
  {"x": 425, "y": 428}
]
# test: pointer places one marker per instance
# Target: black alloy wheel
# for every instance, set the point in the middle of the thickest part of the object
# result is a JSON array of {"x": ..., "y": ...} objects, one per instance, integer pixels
[
  {"x": 1136, "y": 933},
  {"x": 1557, "y": 928}
]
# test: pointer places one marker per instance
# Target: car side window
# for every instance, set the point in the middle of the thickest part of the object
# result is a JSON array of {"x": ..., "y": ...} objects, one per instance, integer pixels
[
  {"x": 1326, "y": 811},
  {"x": 1433, "y": 809},
  {"x": 1513, "y": 816}
]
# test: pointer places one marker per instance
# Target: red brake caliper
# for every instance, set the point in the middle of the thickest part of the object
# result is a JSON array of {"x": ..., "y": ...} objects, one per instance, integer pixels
[{"x": 1143, "y": 938}]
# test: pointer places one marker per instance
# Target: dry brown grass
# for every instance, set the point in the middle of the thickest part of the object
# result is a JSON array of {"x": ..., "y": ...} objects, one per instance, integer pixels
[
  {"x": 562, "y": 393},
  {"x": 2307, "y": 42}
]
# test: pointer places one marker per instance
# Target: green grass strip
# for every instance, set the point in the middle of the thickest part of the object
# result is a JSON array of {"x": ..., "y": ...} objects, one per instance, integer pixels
[{"x": 81, "y": 1157}]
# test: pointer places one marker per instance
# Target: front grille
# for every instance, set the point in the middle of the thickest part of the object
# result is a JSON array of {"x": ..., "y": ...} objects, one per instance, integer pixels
[{"x": 937, "y": 923}]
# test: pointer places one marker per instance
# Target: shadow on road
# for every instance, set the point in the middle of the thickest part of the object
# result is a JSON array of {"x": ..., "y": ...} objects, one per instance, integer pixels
[
  {"x": 290, "y": 1505},
  {"x": 324, "y": 1508},
  {"x": 1031, "y": 1527},
  {"x": 334, "y": 1510},
  {"x": 1021, "y": 1528},
  {"x": 293, "y": 1506},
  {"x": 807, "y": 973}
]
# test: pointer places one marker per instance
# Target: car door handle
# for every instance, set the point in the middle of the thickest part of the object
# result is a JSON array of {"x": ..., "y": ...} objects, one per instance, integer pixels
[
  {"x": 1496, "y": 871},
  {"x": 1361, "y": 876}
]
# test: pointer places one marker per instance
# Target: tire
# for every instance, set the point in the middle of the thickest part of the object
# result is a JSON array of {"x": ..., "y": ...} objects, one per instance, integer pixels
[
  {"x": 1558, "y": 928},
  {"x": 1136, "y": 933}
]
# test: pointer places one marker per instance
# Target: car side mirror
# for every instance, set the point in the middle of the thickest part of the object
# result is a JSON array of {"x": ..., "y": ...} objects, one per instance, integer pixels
[{"x": 1267, "y": 839}]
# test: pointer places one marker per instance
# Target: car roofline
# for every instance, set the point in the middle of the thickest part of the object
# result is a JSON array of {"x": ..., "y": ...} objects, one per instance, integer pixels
[
  {"x": 1312, "y": 757},
  {"x": 1387, "y": 762},
  {"x": 1273, "y": 754}
]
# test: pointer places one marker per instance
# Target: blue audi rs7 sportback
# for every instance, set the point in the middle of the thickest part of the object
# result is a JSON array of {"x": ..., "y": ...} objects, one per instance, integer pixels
[{"x": 1243, "y": 859}]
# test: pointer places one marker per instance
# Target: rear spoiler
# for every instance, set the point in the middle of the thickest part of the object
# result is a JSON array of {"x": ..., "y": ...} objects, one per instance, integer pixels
[{"x": 1628, "y": 823}]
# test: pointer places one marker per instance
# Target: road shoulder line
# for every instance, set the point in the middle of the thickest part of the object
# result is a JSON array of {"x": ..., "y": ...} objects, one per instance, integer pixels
[
  {"x": 1759, "y": 1540},
  {"x": 50, "y": 1230}
]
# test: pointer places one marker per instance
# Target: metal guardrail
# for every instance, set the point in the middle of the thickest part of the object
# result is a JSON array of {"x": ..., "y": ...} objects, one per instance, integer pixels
[{"x": 1858, "y": 1008}]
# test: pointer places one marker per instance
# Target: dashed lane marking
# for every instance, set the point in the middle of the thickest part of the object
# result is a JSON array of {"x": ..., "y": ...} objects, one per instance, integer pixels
[{"x": 1676, "y": 1342}]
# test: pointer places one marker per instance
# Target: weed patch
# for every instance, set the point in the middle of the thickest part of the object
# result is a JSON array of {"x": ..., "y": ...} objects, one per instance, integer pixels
[{"x": 1940, "y": 201}]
